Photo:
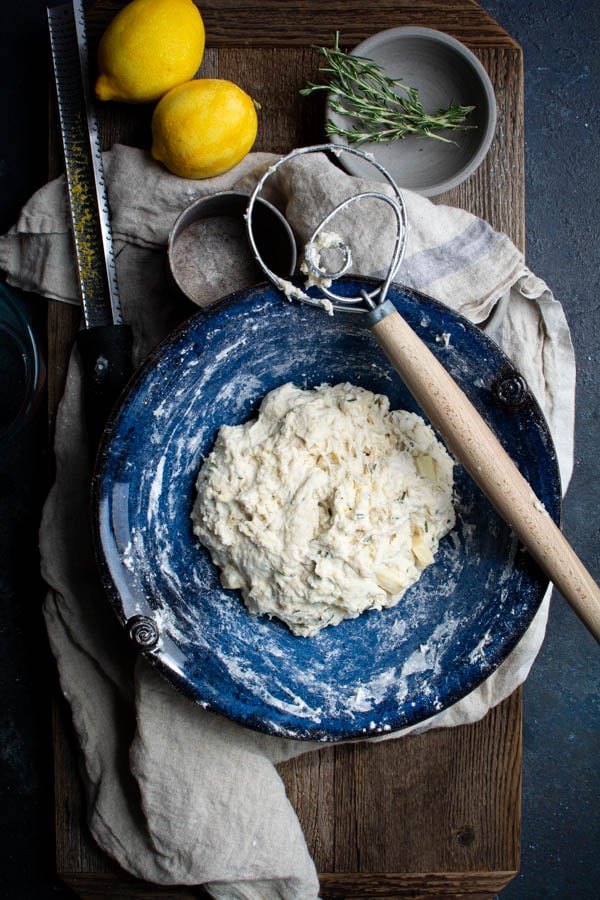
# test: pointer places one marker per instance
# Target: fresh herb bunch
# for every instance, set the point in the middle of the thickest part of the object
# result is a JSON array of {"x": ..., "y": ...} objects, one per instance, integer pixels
[{"x": 384, "y": 108}]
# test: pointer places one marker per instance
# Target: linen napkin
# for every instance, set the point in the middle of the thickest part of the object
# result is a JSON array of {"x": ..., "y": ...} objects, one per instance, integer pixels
[{"x": 178, "y": 795}]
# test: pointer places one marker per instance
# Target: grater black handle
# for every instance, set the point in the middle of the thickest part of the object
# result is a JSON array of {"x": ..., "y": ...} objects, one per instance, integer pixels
[{"x": 105, "y": 352}]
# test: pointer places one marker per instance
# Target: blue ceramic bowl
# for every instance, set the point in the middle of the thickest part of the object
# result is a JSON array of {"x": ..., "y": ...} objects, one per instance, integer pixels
[{"x": 371, "y": 675}]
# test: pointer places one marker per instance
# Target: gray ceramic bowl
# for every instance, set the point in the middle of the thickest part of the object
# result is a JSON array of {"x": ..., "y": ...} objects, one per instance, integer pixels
[{"x": 444, "y": 71}]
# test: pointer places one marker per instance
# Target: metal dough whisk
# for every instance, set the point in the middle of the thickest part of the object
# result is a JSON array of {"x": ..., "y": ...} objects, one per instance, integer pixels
[
  {"x": 466, "y": 434},
  {"x": 313, "y": 248}
]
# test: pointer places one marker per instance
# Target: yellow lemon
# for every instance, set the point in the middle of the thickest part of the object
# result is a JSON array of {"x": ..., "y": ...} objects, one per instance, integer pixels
[
  {"x": 203, "y": 128},
  {"x": 148, "y": 48}
]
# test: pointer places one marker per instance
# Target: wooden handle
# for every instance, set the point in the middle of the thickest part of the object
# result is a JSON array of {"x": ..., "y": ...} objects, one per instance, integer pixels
[{"x": 476, "y": 447}]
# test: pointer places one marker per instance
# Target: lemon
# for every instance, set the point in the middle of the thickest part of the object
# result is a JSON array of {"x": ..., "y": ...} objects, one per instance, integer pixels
[
  {"x": 203, "y": 128},
  {"x": 148, "y": 48}
]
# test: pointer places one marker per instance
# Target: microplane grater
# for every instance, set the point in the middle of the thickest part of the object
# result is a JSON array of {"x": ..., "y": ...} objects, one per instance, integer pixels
[
  {"x": 83, "y": 163},
  {"x": 105, "y": 341}
]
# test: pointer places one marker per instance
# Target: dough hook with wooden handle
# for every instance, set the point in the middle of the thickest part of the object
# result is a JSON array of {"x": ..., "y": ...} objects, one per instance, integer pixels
[{"x": 466, "y": 434}]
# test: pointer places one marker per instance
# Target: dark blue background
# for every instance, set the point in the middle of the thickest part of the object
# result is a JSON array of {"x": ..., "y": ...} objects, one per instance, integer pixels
[{"x": 560, "y": 832}]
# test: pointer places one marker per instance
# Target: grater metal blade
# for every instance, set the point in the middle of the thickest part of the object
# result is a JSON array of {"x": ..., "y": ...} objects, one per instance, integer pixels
[
  {"x": 83, "y": 163},
  {"x": 105, "y": 343}
]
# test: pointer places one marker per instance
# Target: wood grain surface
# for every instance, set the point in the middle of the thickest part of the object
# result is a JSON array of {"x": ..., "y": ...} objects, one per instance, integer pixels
[{"x": 435, "y": 815}]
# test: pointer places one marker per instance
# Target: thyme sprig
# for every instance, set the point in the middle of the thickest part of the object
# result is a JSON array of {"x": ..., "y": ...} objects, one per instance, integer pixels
[{"x": 383, "y": 108}]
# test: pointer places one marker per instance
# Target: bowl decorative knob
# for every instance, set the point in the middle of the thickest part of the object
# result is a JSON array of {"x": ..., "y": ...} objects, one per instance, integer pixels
[
  {"x": 511, "y": 389},
  {"x": 143, "y": 632}
]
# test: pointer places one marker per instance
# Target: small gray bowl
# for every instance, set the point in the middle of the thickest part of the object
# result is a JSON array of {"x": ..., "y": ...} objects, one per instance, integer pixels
[
  {"x": 209, "y": 253},
  {"x": 444, "y": 71}
]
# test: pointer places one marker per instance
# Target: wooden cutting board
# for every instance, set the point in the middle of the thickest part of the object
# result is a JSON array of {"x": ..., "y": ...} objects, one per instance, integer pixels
[{"x": 436, "y": 815}]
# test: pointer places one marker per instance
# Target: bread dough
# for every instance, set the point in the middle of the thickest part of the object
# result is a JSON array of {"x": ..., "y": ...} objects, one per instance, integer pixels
[{"x": 325, "y": 505}]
